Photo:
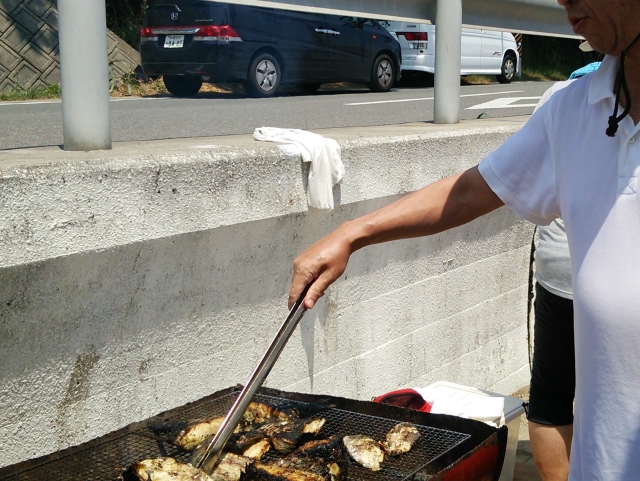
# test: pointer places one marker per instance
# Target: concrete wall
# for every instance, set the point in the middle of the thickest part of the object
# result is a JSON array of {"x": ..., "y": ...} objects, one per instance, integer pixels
[
  {"x": 29, "y": 56},
  {"x": 136, "y": 280}
]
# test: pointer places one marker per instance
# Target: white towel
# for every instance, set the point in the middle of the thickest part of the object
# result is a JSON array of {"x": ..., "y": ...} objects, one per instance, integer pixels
[
  {"x": 464, "y": 404},
  {"x": 326, "y": 168}
]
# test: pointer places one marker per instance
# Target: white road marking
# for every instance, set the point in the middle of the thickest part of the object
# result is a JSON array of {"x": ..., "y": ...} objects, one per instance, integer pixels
[
  {"x": 504, "y": 103},
  {"x": 57, "y": 101},
  {"x": 4, "y": 104},
  {"x": 431, "y": 98}
]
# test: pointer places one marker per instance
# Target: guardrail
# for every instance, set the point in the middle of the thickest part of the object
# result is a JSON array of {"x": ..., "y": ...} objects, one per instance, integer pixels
[
  {"x": 83, "y": 54},
  {"x": 540, "y": 17}
]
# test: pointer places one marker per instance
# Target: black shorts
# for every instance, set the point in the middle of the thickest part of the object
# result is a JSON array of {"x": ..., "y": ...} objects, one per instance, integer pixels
[{"x": 553, "y": 376}]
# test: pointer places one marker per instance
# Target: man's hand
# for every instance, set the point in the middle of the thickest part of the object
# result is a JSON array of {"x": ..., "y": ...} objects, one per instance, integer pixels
[
  {"x": 442, "y": 205},
  {"x": 320, "y": 265}
]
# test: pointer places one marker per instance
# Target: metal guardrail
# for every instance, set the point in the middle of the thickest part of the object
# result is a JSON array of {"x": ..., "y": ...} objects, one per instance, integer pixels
[
  {"x": 539, "y": 17},
  {"x": 85, "y": 102}
]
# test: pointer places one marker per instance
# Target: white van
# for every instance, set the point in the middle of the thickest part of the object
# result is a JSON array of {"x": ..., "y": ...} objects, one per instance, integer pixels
[{"x": 484, "y": 52}]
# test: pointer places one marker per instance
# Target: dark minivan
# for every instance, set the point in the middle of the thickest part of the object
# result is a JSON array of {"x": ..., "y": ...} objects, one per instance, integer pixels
[{"x": 188, "y": 42}]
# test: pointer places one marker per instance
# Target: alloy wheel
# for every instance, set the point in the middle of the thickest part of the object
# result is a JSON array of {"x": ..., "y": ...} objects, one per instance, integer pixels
[
  {"x": 385, "y": 73},
  {"x": 266, "y": 75}
]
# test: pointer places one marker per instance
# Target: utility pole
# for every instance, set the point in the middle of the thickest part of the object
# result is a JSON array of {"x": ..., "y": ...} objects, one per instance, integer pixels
[
  {"x": 84, "y": 72},
  {"x": 447, "y": 62}
]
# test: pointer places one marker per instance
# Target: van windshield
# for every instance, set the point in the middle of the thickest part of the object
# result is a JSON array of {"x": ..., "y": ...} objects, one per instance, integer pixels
[{"x": 184, "y": 12}]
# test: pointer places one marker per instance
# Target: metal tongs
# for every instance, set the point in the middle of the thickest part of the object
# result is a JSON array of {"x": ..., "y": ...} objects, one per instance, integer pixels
[{"x": 206, "y": 456}]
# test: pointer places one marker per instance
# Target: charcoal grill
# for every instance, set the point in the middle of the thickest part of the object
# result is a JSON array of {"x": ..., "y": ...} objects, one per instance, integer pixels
[{"x": 449, "y": 447}]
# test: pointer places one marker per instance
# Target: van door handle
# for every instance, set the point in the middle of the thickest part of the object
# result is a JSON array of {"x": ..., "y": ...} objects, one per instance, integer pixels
[
  {"x": 333, "y": 32},
  {"x": 322, "y": 30}
]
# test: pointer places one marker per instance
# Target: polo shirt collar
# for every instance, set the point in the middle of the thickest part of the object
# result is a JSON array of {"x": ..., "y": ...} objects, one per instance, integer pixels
[{"x": 603, "y": 79}]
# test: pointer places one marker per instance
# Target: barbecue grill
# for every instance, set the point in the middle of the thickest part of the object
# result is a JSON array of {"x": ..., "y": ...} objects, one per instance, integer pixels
[{"x": 449, "y": 447}]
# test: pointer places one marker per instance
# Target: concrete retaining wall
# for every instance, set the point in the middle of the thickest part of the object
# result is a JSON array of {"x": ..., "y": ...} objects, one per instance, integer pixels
[
  {"x": 136, "y": 280},
  {"x": 29, "y": 56}
]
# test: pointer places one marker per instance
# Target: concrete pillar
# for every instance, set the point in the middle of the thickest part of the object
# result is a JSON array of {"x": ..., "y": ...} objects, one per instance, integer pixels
[
  {"x": 447, "y": 63},
  {"x": 84, "y": 71}
]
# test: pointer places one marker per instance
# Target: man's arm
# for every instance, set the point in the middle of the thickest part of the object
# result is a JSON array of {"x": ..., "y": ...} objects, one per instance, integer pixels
[{"x": 437, "y": 207}]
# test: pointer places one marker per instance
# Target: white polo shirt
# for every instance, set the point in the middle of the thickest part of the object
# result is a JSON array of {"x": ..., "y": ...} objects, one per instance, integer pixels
[{"x": 562, "y": 164}]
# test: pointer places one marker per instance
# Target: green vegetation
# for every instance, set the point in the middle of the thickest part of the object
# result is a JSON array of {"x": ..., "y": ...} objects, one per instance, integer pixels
[
  {"x": 124, "y": 18},
  {"x": 550, "y": 58},
  {"x": 18, "y": 93}
]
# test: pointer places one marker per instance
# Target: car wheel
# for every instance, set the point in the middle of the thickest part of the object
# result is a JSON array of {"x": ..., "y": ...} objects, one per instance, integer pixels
[
  {"x": 508, "y": 69},
  {"x": 309, "y": 88},
  {"x": 382, "y": 74},
  {"x": 263, "y": 78},
  {"x": 182, "y": 85}
]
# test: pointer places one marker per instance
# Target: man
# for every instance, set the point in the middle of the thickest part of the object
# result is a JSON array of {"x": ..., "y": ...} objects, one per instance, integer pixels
[{"x": 560, "y": 164}]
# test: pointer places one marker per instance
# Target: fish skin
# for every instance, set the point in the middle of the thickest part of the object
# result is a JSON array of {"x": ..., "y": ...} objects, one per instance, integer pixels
[
  {"x": 401, "y": 438},
  {"x": 365, "y": 451},
  {"x": 164, "y": 469}
]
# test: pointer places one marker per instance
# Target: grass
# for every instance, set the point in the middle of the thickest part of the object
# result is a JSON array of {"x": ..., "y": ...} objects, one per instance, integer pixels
[
  {"x": 535, "y": 74},
  {"x": 18, "y": 93}
]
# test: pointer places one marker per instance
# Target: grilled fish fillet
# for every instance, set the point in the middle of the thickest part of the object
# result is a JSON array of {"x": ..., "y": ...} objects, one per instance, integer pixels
[
  {"x": 325, "y": 457},
  {"x": 164, "y": 469},
  {"x": 272, "y": 472},
  {"x": 189, "y": 437},
  {"x": 257, "y": 449},
  {"x": 365, "y": 451},
  {"x": 258, "y": 413},
  {"x": 230, "y": 467},
  {"x": 401, "y": 438},
  {"x": 285, "y": 435}
]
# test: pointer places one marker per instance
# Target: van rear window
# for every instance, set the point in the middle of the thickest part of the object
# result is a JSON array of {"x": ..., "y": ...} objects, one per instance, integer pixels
[{"x": 164, "y": 13}]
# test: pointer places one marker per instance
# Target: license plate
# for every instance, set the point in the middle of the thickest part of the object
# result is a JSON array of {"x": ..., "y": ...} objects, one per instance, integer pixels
[{"x": 174, "y": 41}]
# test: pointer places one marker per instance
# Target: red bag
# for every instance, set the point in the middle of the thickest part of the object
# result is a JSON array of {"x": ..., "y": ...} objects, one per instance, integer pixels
[{"x": 405, "y": 398}]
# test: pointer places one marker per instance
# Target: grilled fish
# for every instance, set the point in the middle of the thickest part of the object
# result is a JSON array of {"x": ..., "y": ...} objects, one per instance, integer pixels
[
  {"x": 325, "y": 457},
  {"x": 285, "y": 435},
  {"x": 257, "y": 449},
  {"x": 258, "y": 413},
  {"x": 323, "y": 460},
  {"x": 230, "y": 467},
  {"x": 272, "y": 472},
  {"x": 365, "y": 451},
  {"x": 195, "y": 432},
  {"x": 164, "y": 469},
  {"x": 401, "y": 438},
  {"x": 252, "y": 450}
]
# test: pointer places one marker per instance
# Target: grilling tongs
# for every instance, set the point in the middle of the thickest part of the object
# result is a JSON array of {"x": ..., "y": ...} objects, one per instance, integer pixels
[{"x": 206, "y": 456}]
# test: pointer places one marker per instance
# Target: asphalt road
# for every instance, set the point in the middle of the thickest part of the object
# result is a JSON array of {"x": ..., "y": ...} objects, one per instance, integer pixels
[{"x": 39, "y": 123}]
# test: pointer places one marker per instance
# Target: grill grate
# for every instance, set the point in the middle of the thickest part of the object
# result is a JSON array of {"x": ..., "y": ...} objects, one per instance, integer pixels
[{"x": 106, "y": 461}]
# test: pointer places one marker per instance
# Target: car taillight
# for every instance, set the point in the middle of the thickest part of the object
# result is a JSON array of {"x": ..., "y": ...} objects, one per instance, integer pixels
[
  {"x": 208, "y": 31},
  {"x": 414, "y": 36},
  {"x": 146, "y": 35},
  {"x": 222, "y": 33},
  {"x": 416, "y": 40}
]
